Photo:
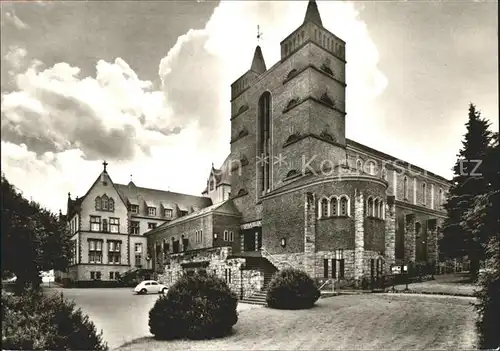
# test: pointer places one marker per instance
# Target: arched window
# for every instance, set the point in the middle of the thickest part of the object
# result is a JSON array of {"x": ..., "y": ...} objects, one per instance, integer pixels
[
  {"x": 424, "y": 193},
  {"x": 98, "y": 203},
  {"x": 111, "y": 204},
  {"x": 376, "y": 209},
  {"x": 324, "y": 208},
  {"x": 382, "y": 210},
  {"x": 405, "y": 188},
  {"x": 334, "y": 210},
  {"x": 344, "y": 206},
  {"x": 418, "y": 226},
  {"x": 369, "y": 208},
  {"x": 105, "y": 203},
  {"x": 440, "y": 197},
  {"x": 264, "y": 139}
]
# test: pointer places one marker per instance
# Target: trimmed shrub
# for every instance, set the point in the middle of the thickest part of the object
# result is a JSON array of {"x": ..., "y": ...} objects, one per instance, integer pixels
[
  {"x": 33, "y": 321},
  {"x": 292, "y": 289},
  {"x": 197, "y": 306}
]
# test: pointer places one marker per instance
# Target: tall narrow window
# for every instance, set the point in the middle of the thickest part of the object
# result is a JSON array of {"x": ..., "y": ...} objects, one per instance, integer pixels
[
  {"x": 369, "y": 211},
  {"x": 405, "y": 188},
  {"x": 334, "y": 207},
  {"x": 324, "y": 208},
  {"x": 344, "y": 208},
  {"x": 264, "y": 140},
  {"x": 375, "y": 211},
  {"x": 440, "y": 197},
  {"x": 424, "y": 193}
]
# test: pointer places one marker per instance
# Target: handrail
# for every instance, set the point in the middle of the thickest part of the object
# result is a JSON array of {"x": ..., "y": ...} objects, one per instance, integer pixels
[
  {"x": 326, "y": 282},
  {"x": 274, "y": 259}
]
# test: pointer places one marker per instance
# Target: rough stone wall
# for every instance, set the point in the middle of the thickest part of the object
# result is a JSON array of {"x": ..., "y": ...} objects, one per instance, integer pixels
[
  {"x": 432, "y": 242},
  {"x": 359, "y": 245},
  {"x": 243, "y": 282},
  {"x": 409, "y": 238},
  {"x": 310, "y": 234},
  {"x": 390, "y": 232}
]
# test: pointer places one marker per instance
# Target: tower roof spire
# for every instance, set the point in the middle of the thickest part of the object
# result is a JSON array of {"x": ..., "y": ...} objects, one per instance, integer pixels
[
  {"x": 258, "y": 63},
  {"x": 312, "y": 13}
]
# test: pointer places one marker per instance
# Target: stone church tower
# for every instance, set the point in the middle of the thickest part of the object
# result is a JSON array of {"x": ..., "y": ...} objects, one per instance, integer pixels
[{"x": 291, "y": 117}]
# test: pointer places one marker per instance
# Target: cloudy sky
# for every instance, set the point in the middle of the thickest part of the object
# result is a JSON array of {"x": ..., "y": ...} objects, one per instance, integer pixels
[{"x": 146, "y": 85}]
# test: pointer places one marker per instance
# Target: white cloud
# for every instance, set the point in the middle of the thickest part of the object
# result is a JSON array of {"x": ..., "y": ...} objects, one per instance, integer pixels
[{"x": 165, "y": 138}]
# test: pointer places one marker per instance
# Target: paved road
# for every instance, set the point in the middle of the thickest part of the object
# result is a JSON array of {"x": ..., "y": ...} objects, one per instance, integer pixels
[{"x": 118, "y": 312}]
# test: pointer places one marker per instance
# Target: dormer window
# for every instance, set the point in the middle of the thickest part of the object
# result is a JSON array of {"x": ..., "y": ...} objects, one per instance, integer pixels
[
  {"x": 183, "y": 213},
  {"x": 152, "y": 211},
  {"x": 168, "y": 213},
  {"x": 134, "y": 208}
]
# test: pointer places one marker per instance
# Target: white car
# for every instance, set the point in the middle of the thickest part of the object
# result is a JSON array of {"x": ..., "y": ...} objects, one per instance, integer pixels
[{"x": 150, "y": 286}]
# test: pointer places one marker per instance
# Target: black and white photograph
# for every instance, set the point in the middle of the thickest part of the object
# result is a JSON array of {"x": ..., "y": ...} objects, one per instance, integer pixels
[{"x": 250, "y": 175}]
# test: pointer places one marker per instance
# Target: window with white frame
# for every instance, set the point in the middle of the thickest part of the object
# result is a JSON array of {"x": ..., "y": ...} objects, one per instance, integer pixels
[
  {"x": 375, "y": 208},
  {"x": 381, "y": 210},
  {"x": 324, "y": 208},
  {"x": 95, "y": 223},
  {"x": 226, "y": 235},
  {"x": 424, "y": 193},
  {"x": 114, "y": 225},
  {"x": 134, "y": 227},
  {"x": 151, "y": 225},
  {"x": 168, "y": 213},
  {"x": 334, "y": 207},
  {"x": 134, "y": 208},
  {"x": 231, "y": 236},
  {"x": 95, "y": 250},
  {"x": 440, "y": 197},
  {"x": 369, "y": 207},
  {"x": 405, "y": 188},
  {"x": 344, "y": 206},
  {"x": 114, "y": 251},
  {"x": 152, "y": 211}
]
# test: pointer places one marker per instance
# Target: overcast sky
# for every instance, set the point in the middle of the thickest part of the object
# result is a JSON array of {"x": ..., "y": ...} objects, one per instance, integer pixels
[{"x": 146, "y": 85}]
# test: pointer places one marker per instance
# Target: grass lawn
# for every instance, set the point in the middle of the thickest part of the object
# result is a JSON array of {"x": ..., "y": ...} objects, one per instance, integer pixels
[
  {"x": 347, "y": 322},
  {"x": 451, "y": 284}
]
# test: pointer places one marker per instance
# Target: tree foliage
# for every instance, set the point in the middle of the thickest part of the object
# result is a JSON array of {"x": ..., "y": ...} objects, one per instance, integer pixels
[
  {"x": 468, "y": 183},
  {"x": 33, "y": 238},
  {"x": 292, "y": 289},
  {"x": 483, "y": 221}
]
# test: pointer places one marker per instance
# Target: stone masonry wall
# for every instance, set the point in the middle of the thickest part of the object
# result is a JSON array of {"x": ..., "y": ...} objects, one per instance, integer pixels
[
  {"x": 358, "y": 234},
  {"x": 390, "y": 233},
  {"x": 243, "y": 282},
  {"x": 409, "y": 238}
]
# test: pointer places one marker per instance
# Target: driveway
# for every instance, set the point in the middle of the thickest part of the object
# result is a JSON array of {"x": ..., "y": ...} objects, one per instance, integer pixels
[{"x": 118, "y": 312}]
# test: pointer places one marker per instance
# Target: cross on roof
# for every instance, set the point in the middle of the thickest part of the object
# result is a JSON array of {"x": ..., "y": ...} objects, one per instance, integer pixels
[
  {"x": 259, "y": 34},
  {"x": 104, "y": 164}
]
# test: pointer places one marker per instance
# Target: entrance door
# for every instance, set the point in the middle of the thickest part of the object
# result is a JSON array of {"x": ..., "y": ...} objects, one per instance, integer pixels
[{"x": 252, "y": 239}]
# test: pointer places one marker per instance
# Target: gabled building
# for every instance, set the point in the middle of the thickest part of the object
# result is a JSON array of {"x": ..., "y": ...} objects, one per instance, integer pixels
[
  {"x": 295, "y": 191},
  {"x": 108, "y": 225}
]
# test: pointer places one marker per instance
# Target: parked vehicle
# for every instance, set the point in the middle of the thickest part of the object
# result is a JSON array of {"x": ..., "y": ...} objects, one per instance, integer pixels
[{"x": 150, "y": 286}]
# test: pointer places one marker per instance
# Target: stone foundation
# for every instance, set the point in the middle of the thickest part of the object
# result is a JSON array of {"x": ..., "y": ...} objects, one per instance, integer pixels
[{"x": 214, "y": 260}]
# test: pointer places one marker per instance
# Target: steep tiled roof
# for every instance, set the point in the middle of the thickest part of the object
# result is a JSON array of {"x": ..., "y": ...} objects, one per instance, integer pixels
[
  {"x": 312, "y": 13},
  {"x": 258, "y": 63},
  {"x": 153, "y": 197},
  {"x": 221, "y": 174},
  {"x": 227, "y": 205}
]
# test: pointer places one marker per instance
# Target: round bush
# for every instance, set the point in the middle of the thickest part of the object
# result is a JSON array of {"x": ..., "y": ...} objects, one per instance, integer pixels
[
  {"x": 197, "y": 306},
  {"x": 292, "y": 289},
  {"x": 33, "y": 321}
]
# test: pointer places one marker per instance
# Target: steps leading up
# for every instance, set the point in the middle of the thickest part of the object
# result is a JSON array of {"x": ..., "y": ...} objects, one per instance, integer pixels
[{"x": 258, "y": 298}]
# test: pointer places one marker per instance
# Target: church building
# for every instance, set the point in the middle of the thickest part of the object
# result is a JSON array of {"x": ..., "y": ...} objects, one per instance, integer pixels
[{"x": 294, "y": 190}]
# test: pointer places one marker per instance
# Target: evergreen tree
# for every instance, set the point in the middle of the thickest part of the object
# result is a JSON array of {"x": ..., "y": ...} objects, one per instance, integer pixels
[
  {"x": 468, "y": 182},
  {"x": 484, "y": 222},
  {"x": 33, "y": 239}
]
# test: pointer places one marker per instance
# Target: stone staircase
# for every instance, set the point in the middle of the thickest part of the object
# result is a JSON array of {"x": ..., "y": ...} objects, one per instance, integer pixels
[{"x": 268, "y": 269}]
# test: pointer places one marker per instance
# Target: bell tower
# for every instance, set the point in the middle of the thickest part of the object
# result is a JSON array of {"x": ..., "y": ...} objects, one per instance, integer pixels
[{"x": 289, "y": 119}]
